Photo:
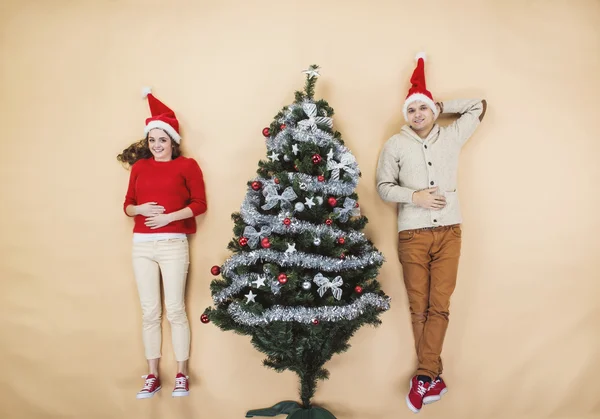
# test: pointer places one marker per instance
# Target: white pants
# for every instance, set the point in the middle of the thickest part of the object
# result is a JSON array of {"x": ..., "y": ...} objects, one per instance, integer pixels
[{"x": 171, "y": 259}]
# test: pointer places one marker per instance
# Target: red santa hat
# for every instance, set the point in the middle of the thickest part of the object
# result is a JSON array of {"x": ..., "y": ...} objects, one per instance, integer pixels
[
  {"x": 162, "y": 117},
  {"x": 418, "y": 90}
]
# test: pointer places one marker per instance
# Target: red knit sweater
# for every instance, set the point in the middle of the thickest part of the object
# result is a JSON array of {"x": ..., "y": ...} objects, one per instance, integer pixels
[{"x": 175, "y": 184}]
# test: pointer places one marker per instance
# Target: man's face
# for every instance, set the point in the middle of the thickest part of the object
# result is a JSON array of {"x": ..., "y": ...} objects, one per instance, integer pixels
[{"x": 420, "y": 116}]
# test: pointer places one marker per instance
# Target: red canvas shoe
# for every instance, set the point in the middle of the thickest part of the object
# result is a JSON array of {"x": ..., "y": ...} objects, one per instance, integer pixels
[
  {"x": 414, "y": 398},
  {"x": 436, "y": 390},
  {"x": 181, "y": 386},
  {"x": 151, "y": 386}
]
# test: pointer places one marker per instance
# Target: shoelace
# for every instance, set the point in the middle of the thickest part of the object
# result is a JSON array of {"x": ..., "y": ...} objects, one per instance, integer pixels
[
  {"x": 148, "y": 383},
  {"x": 180, "y": 382},
  {"x": 421, "y": 389},
  {"x": 433, "y": 384}
]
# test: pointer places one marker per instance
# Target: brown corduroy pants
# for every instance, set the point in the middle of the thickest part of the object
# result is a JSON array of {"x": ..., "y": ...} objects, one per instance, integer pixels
[{"x": 429, "y": 259}]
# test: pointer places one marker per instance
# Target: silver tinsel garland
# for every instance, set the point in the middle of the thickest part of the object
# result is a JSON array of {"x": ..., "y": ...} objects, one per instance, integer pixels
[
  {"x": 318, "y": 137},
  {"x": 306, "y": 315},
  {"x": 239, "y": 283},
  {"x": 331, "y": 187},
  {"x": 305, "y": 260},
  {"x": 253, "y": 217},
  {"x": 301, "y": 259}
]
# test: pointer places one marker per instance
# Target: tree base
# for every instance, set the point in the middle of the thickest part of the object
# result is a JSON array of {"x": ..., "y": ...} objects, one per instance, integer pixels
[
  {"x": 311, "y": 413},
  {"x": 281, "y": 408},
  {"x": 293, "y": 410}
]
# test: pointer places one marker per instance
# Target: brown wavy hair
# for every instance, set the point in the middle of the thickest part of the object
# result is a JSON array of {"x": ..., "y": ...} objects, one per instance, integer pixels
[{"x": 140, "y": 150}]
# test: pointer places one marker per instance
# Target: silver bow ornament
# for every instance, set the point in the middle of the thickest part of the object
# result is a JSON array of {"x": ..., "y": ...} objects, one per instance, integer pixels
[
  {"x": 254, "y": 236},
  {"x": 310, "y": 109},
  {"x": 273, "y": 198},
  {"x": 347, "y": 163},
  {"x": 326, "y": 284},
  {"x": 347, "y": 210}
]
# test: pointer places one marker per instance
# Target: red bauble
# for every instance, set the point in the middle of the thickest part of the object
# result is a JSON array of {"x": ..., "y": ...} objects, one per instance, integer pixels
[
  {"x": 215, "y": 270},
  {"x": 256, "y": 185},
  {"x": 276, "y": 181},
  {"x": 266, "y": 131},
  {"x": 282, "y": 127},
  {"x": 295, "y": 168},
  {"x": 287, "y": 221},
  {"x": 341, "y": 240},
  {"x": 204, "y": 319},
  {"x": 329, "y": 221},
  {"x": 321, "y": 178},
  {"x": 356, "y": 206},
  {"x": 315, "y": 322},
  {"x": 316, "y": 158},
  {"x": 342, "y": 256},
  {"x": 358, "y": 289},
  {"x": 332, "y": 201},
  {"x": 243, "y": 241},
  {"x": 265, "y": 242},
  {"x": 282, "y": 278}
]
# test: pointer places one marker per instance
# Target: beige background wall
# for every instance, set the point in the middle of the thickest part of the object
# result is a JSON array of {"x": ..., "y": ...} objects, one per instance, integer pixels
[{"x": 524, "y": 340}]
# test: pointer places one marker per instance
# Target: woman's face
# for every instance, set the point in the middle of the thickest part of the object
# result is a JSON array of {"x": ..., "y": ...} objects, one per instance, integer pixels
[{"x": 160, "y": 145}]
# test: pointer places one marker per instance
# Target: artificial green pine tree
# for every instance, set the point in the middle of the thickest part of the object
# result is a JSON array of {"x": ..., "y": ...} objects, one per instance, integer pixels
[{"x": 302, "y": 278}]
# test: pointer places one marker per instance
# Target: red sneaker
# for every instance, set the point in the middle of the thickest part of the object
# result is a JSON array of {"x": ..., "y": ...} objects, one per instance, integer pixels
[
  {"x": 181, "y": 386},
  {"x": 436, "y": 390},
  {"x": 414, "y": 398},
  {"x": 151, "y": 386}
]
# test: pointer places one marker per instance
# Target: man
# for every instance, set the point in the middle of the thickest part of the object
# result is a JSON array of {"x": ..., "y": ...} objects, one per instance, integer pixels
[{"x": 418, "y": 169}]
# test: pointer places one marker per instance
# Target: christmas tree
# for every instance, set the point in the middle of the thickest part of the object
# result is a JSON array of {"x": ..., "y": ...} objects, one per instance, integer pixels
[{"x": 302, "y": 277}]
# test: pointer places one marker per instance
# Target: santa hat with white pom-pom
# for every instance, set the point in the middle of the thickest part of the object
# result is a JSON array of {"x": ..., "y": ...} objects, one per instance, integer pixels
[
  {"x": 418, "y": 90},
  {"x": 162, "y": 117}
]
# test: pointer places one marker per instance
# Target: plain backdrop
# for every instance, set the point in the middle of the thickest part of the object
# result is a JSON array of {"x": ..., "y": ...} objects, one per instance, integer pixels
[{"x": 523, "y": 341}]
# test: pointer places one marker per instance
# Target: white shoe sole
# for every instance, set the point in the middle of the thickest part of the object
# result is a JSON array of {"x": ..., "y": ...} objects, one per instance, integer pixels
[
  {"x": 180, "y": 393},
  {"x": 433, "y": 399},
  {"x": 411, "y": 407},
  {"x": 147, "y": 395},
  {"x": 408, "y": 403}
]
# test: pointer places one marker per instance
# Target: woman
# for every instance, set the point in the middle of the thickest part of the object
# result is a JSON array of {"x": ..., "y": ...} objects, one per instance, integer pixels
[{"x": 166, "y": 191}]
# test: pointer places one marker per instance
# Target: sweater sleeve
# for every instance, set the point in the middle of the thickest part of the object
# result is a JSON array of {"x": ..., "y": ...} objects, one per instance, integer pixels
[
  {"x": 194, "y": 181},
  {"x": 388, "y": 176},
  {"x": 130, "y": 196},
  {"x": 471, "y": 113}
]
